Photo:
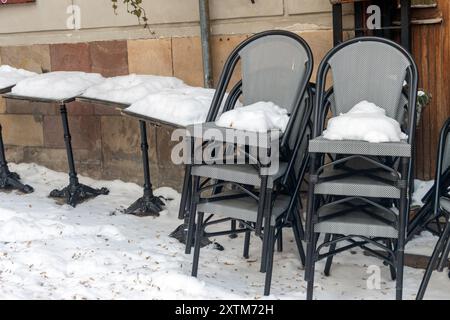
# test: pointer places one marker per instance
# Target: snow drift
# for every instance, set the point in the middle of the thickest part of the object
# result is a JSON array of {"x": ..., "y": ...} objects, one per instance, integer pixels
[
  {"x": 182, "y": 106},
  {"x": 131, "y": 88},
  {"x": 57, "y": 85},
  {"x": 367, "y": 122},
  {"x": 261, "y": 117},
  {"x": 9, "y": 76}
]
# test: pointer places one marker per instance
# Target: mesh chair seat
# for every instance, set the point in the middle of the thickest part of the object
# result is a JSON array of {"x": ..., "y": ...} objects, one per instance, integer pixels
[
  {"x": 393, "y": 149},
  {"x": 245, "y": 208},
  {"x": 355, "y": 222},
  {"x": 239, "y": 173},
  {"x": 379, "y": 184}
]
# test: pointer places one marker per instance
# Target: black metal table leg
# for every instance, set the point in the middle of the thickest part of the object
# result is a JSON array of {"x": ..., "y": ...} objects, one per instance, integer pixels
[
  {"x": 148, "y": 204},
  {"x": 9, "y": 180},
  {"x": 75, "y": 192}
]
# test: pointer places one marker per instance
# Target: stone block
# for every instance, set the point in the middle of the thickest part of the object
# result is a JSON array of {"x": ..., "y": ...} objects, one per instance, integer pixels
[
  {"x": 151, "y": 56},
  {"x": 187, "y": 60},
  {"x": 70, "y": 57},
  {"x": 28, "y": 107},
  {"x": 110, "y": 58},
  {"x": 85, "y": 132},
  {"x": 22, "y": 130},
  {"x": 34, "y": 58}
]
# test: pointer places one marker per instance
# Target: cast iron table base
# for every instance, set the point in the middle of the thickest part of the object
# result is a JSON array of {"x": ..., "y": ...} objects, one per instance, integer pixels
[
  {"x": 148, "y": 205},
  {"x": 9, "y": 180},
  {"x": 75, "y": 193}
]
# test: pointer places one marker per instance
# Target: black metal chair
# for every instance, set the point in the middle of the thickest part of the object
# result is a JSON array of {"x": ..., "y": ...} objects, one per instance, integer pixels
[
  {"x": 441, "y": 209},
  {"x": 350, "y": 197},
  {"x": 425, "y": 219},
  {"x": 282, "y": 206},
  {"x": 276, "y": 66}
]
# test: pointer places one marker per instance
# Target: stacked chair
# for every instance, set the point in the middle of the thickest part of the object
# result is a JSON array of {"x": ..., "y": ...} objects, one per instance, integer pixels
[
  {"x": 358, "y": 191},
  {"x": 276, "y": 66},
  {"x": 426, "y": 218},
  {"x": 441, "y": 209}
]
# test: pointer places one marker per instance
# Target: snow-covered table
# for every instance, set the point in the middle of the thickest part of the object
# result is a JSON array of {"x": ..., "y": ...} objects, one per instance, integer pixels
[
  {"x": 120, "y": 93},
  {"x": 60, "y": 88},
  {"x": 148, "y": 204},
  {"x": 8, "y": 179},
  {"x": 9, "y": 76}
]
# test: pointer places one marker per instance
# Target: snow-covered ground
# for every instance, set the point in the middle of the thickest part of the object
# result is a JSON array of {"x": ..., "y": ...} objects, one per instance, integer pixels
[{"x": 48, "y": 251}]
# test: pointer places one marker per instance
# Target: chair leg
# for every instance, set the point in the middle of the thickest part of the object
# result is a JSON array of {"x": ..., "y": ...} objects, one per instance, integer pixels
[
  {"x": 269, "y": 260},
  {"x": 298, "y": 239},
  {"x": 280, "y": 241},
  {"x": 267, "y": 212},
  {"x": 402, "y": 225},
  {"x": 310, "y": 212},
  {"x": 233, "y": 228},
  {"x": 310, "y": 267},
  {"x": 192, "y": 212},
  {"x": 432, "y": 263},
  {"x": 329, "y": 261},
  {"x": 392, "y": 270},
  {"x": 184, "y": 204},
  {"x": 443, "y": 262},
  {"x": 247, "y": 244},
  {"x": 399, "y": 273},
  {"x": 198, "y": 240}
]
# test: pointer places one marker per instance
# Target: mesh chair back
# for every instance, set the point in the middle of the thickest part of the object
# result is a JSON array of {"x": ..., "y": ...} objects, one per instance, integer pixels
[
  {"x": 372, "y": 71},
  {"x": 273, "y": 69}
]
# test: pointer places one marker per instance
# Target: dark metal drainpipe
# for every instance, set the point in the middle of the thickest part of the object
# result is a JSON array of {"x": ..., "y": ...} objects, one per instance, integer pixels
[{"x": 205, "y": 31}]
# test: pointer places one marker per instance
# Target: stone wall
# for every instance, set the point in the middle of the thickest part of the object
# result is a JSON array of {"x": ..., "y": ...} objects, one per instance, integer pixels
[
  {"x": 106, "y": 144},
  {"x": 51, "y": 21}
]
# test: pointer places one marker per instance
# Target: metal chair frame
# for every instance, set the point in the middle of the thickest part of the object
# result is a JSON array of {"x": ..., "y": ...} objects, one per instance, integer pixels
[
  {"x": 229, "y": 67},
  {"x": 441, "y": 252},
  {"x": 393, "y": 247}
]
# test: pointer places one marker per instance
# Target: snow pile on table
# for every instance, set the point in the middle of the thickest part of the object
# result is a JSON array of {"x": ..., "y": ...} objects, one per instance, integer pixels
[
  {"x": 94, "y": 251},
  {"x": 261, "y": 117},
  {"x": 9, "y": 76},
  {"x": 365, "y": 121},
  {"x": 182, "y": 106},
  {"x": 131, "y": 88},
  {"x": 57, "y": 85}
]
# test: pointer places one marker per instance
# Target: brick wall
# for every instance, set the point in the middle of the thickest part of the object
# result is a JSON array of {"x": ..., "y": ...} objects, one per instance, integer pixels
[{"x": 106, "y": 144}]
